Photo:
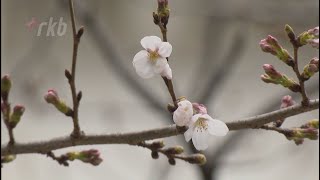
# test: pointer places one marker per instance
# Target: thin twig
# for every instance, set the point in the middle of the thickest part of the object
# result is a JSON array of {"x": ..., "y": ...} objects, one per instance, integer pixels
[
  {"x": 168, "y": 82},
  {"x": 6, "y": 117},
  {"x": 305, "y": 98},
  {"x": 110, "y": 55},
  {"x": 136, "y": 137},
  {"x": 61, "y": 160},
  {"x": 76, "y": 39}
]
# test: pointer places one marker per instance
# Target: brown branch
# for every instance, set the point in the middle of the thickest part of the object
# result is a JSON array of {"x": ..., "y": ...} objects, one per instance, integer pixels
[
  {"x": 305, "y": 98},
  {"x": 75, "y": 96},
  {"x": 136, "y": 137}
]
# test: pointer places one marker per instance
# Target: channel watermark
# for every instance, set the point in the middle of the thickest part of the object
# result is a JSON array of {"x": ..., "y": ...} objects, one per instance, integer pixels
[{"x": 52, "y": 27}]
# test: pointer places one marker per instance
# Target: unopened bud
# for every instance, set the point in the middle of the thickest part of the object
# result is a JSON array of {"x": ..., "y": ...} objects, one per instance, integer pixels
[
  {"x": 5, "y": 87},
  {"x": 15, "y": 117},
  {"x": 163, "y": 11},
  {"x": 310, "y": 133},
  {"x": 310, "y": 69},
  {"x": 174, "y": 150},
  {"x": 7, "y": 158},
  {"x": 80, "y": 32},
  {"x": 275, "y": 77},
  {"x": 199, "y": 108},
  {"x": 52, "y": 98},
  {"x": 314, "y": 123},
  {"x": 79, "y": 96},
  {"x": 271, "y": 45},
  {"x": 290, "y": 33},
  {"x": 154, "y": 154},
  {"x": 68, "y": 74},
  {"x": 311, "y": 36},
  {"x": 172, "y": 161},
  {"x": 157, "y": 144},
  {"x": 271, "y": 71},
  {"x": 314, "y": 43},
  {"x": 287, "y": 101},
  {"x": 196, "y": 159},
  {"x": 91, "y": 156}
]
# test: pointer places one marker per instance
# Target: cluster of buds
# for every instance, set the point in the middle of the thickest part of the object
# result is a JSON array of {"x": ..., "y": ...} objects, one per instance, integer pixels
[
  {"x": 271, "y": 45},
  {"x": 310, "y": 69},
  {"x": 308, "y": 130},
  {"x": 14, "y": 118},
  {"x": 309, "y": 37},
  {"x": 52, "y": 98},
  {"x": 172, "y": 153},
  {"x": 275, "y": 77},
  {"x": 91, "y": 156},
  {"x": 162, "y": 14}
]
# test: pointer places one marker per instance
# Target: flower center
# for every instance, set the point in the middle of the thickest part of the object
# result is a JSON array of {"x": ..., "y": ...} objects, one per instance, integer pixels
[
  {"x": 153, "y": 55},
  {"x": 201, "y": 124}
]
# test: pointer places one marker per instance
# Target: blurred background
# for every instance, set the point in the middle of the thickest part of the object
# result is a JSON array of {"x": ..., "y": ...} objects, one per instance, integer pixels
[{"x": 216, "y": 60}]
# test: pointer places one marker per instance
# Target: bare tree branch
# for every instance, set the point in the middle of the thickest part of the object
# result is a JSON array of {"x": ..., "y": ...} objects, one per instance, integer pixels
[{"x": 136, "y": 137}]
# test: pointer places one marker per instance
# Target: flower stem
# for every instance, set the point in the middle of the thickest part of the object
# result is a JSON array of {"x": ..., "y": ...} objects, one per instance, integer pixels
[
  {"x": 305, "y": 99},
  {"x": 168, "y": 82},
  {"x": 76, "y": 39}
]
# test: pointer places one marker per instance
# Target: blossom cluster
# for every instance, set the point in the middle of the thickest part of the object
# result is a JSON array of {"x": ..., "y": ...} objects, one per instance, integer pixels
[{"x": 152, "y": 61}]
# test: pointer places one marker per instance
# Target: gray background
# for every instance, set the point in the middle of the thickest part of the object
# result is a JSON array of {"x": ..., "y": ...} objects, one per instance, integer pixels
[{"x": 208, "y": 38}]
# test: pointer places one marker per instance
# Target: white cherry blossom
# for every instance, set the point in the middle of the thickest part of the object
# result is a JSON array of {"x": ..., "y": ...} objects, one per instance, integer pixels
[
  {"x": 152, "y": 60},
  {"x": 183, "y": 114},
  {"x": 200, "y": 129}
]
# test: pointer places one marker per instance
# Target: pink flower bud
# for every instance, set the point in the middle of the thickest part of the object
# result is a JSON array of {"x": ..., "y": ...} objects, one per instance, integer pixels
[
  {"x": 271, "y": 71},
  {"x": 311, "y": 36},
  {"x": 91, "y": 156},
  {"x": 18, "y": 109},
  {"x": 199, "y": 108},
  {"x": 271, "y": 45},
  {"x": 266, "y": 47},
  {"x": 15, "y": 117},
  {"x": 314, "y": 43},
  {"x": 310, "y": 69},
  {"x": 287, "y": 101},
  {"x": 51, "y": 96},
  {"x": 314, "y": 31}
]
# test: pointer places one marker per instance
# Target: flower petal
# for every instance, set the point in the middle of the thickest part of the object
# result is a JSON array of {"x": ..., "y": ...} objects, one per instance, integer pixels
[
  {"x": 150, "y": 42},
  {"x": 160, "y": 65},
  {"x": 188, "y": 134},
  {"x": 217, "y": 127},
  {"x": 200, "y": 139},
  {"x": 182, "y": 115},
  {"x": 142, "y": 64},
  {"x": 167, "y": 72},
  {"x": 165, "y": 49}
]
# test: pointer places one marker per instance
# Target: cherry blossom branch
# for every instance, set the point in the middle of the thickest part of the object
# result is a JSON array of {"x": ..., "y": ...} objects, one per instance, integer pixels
[
  {"x": 136, "y": 137},
  {"x": 71, "y": 77},
  {"x": 161, "y": 19}
]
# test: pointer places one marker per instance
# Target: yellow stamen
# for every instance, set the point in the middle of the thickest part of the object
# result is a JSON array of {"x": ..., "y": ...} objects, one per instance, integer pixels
[
  {"x": 201, "y": 124},
  {"x": 153, "y": 55}
]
